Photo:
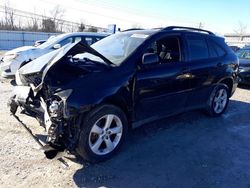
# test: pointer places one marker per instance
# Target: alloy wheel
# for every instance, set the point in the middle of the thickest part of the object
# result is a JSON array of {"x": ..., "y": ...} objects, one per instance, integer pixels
[
  {"x": 105, "y": 134},
  {"x": 220, "y": 100}
]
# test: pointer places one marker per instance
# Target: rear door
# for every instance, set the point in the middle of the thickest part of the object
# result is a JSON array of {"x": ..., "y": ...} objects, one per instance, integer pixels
[
  {"x": 218, "y": 61},
  {"x": 201, "y": 69}
]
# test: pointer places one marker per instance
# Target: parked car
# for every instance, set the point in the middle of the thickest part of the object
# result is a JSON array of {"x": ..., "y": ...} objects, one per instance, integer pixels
[
  {"x": 18, "y": 57},
  {"x": 87, "y": 97},
  {"x": 235, "y": 48},
  {"x": 244, "y": 69}
]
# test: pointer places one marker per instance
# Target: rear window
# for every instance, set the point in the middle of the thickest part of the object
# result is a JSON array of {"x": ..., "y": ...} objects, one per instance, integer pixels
[
  {"x": 215, "y": 50},
  {"x": 219, "y": 50},
  {"x": 197, "y": 47}
]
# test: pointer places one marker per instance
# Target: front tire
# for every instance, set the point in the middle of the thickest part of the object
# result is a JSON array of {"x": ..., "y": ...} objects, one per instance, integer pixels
[
  {"x": 102, "y": 133},
  {"x": 218, "y": 100}
]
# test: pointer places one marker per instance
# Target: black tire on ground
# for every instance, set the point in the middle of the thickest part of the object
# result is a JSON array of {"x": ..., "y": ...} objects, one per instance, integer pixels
[
  {"x": 211, "y": 107},
  {"x": 96, "y": 116}
]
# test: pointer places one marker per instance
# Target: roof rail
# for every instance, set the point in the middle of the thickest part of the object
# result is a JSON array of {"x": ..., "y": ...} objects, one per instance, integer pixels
[
  {"x": 132, "y": 29},
  {"x": 170, "y": 28}
]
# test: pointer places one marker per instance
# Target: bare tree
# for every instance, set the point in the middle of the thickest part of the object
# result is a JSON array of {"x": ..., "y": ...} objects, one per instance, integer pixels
[
  {"x": 9, "y": 16},
  {"x": 92, "y": 29},
  {"x": 34, "y": 22},
  {"x": 81, "y": 27},
  {"x": 48, "y": 25},
  {"x": 57, "y": 14},
  {"x": 14, "y": 19},
  {"x": 241, "y": 29},
  {"x": 19, "y": 24}
]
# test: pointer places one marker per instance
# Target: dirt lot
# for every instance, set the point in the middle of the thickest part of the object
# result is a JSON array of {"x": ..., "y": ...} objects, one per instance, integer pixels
[{"x": 188, "y": 150}]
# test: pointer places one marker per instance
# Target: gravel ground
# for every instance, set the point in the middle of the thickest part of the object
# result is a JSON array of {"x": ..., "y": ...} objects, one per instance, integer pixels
[{"x": 188, "y": 150}]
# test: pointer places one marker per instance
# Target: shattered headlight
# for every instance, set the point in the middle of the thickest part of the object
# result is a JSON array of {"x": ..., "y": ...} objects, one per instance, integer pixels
[
  {"x": 58, "y": 107},
  {"x": 55, "y": 108}
]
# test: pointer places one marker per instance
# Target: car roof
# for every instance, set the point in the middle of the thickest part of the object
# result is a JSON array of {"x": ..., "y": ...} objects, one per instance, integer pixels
[
  {"x": 142, "y": 31},
  {"x": 85, "y": 34},
  {"x": 161, "y": 30}
]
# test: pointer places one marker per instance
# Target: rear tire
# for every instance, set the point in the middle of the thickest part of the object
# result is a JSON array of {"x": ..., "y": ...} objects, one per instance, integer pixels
[
  {"x": 218, "y": 100},
  {"x": 102, "y": 133}
]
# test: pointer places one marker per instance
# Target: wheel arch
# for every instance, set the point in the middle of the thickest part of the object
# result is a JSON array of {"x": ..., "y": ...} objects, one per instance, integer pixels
[
  {"x": 121, "y": 103},
  {"x": 228, "y": 82}
]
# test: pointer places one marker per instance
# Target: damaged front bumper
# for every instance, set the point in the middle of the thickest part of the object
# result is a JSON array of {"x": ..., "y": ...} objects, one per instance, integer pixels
[
  {"x": 23, "y": 98},
  {"x": 50, "y": 151}
]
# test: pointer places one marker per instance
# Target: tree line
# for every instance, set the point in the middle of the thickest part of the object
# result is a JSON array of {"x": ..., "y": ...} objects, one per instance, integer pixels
[{"x": 14, "y": 19}]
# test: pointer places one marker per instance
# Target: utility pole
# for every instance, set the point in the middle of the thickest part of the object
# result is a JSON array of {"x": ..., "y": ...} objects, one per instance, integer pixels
[{"x": 201, "y": 25}]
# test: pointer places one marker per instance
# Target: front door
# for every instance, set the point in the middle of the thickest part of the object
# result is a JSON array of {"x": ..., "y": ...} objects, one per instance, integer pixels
[{"x": 161, "y": 88}]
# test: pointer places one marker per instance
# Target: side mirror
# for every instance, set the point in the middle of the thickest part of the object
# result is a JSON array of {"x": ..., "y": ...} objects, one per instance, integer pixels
[
  {"x": 57, "y": 46},
  {"x": 150, "y": 58}
]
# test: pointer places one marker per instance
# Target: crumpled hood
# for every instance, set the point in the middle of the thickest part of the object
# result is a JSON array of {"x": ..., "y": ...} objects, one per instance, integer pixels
[
  {"x": 45, "y": 62},
  {"x": 244, "y": 62},
  {"x": 37, "y": 65}
]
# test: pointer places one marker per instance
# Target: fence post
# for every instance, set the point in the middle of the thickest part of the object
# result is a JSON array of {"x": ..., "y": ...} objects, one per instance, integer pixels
[{"x": 23, "y": 39}]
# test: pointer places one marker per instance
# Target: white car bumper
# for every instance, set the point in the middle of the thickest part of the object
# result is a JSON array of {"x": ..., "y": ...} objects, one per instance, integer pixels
[{"x": 8, "y": 69}]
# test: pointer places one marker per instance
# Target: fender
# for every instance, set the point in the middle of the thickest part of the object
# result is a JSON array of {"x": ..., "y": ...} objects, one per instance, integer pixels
[{"x": 88, "y": 92}]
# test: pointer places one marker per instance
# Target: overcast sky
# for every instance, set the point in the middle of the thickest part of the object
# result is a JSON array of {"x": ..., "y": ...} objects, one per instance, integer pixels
[{"x": 221, "y": 16}]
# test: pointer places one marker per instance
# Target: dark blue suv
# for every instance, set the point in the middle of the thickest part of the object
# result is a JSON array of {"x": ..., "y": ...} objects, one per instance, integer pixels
[{"x": 87, "y": 97}]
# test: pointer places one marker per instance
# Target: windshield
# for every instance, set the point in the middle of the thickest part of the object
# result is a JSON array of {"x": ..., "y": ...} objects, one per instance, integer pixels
[
  {"x": 51, "y": 41},
  {"x": 116, "y": 48},
  {"x": 243, "y": 54}
]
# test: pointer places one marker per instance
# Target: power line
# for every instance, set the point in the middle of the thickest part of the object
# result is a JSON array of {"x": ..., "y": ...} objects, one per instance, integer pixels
[
  {"x": 93, "y": 12},
  {"x": 105, "y": 5},
  {"x": 153, "y": 14}
]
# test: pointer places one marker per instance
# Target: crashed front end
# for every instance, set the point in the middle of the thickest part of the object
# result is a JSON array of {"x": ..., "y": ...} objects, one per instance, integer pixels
[
  {"x": 50, "y": 112},
  {"x": 43, "y": 94}
]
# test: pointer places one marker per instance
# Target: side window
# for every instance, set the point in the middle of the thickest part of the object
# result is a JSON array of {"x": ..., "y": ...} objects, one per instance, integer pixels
[
  {"x": 95, "y": 39},
  {"x": 152, "y": 48},
  {"x": 98, "y": 38},
  {"x": 77, "y": 39},
  {"x": 197, "y": 47},
  {"x": 89, "y": 40},
  {"x": 219, "y": 50},
  {"x": 66, "y": 41},
  {"x": 168, "y": 49}
]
